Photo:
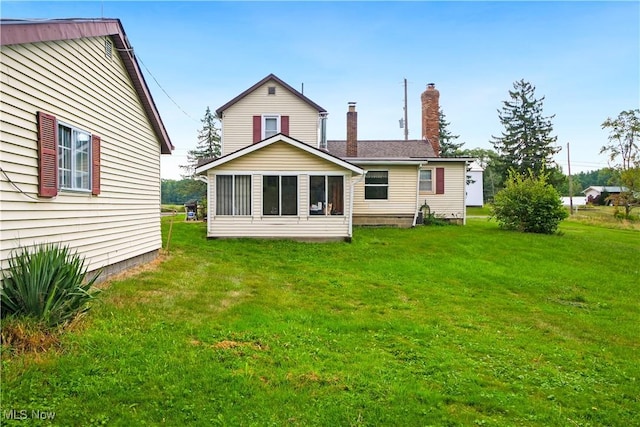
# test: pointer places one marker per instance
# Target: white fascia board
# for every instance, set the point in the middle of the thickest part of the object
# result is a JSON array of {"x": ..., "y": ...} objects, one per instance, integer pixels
[
  {"x": 412, "y": 161},
  {"x": 280, "y": 138}
]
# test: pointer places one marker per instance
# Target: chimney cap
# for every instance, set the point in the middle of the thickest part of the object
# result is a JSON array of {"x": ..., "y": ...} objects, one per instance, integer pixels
[
  {"x": 431, "y": 85},
  {"x": 352, "y": 106}
]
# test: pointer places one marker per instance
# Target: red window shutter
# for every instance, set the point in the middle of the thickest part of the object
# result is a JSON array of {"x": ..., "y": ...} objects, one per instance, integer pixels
[
  {"x": 47, "y": 155},
  {"x": 95, "y": 165},
  {"x": 439, "y": 180},
  {"x": 284, "y": 125},
  {"x": 257, "y": 128}
]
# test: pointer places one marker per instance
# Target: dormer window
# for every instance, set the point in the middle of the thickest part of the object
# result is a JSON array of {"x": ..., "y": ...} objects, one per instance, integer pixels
[{"x": 271, "y": 90}]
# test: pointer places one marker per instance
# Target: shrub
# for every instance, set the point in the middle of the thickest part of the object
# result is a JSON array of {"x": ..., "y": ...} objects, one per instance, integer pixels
[
  {"x": 528, "y": 204},
  {"x": 47, "y": 284}
]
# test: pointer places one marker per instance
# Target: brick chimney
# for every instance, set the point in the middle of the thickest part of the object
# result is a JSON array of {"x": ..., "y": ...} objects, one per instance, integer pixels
[
  {"x": 352, "y": 131},
  {"x": 431, "y": 117}
]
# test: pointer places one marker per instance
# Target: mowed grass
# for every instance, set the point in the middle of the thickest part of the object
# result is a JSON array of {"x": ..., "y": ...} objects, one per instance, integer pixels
[{"x": 443, "y": 326}]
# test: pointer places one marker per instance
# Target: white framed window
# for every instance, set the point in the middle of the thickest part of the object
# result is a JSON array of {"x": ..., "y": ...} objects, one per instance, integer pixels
[
  {"x": 326, "y": 195},
  {"x": 74, "y": 158},
  {"x": 233, "y": 195},
  {"x": 270, "y": 125},
  {"x": 376, "y": 185},
  {"x": 279, "y": 195},
  {"x": 426, "y": 181}
]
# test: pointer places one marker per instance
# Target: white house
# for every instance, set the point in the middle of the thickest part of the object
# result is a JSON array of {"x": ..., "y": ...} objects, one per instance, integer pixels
[{"x": 475, "y": 187}]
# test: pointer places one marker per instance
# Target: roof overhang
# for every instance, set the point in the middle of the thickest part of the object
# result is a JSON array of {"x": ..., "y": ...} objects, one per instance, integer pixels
[
  {"x": 409, "y": 161},
  {"x": 270, "y": 77},
  {"x": 272, "y": 140},
  {"x": 16, "y": 31}
]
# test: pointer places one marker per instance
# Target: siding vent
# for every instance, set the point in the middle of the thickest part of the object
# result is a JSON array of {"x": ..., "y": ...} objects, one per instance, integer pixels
[
  {"x": 272, "y": 90},
  {"x": 108, "y": 48}
]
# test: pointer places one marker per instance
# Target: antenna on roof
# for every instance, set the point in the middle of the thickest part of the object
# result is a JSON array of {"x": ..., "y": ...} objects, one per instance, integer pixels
[{"x": 406, "y": 121}]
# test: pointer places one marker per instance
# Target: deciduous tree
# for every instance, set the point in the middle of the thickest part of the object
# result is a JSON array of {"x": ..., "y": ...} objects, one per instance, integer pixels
[
  {"x": 529, "y": 204},
  {"x": 624, "y": 155}
]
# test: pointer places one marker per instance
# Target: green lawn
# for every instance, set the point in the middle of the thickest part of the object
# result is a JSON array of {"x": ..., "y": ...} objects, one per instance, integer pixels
[{"x": 443, "y": 326}]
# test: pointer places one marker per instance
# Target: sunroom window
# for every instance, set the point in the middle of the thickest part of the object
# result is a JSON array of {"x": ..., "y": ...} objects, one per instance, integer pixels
[
  {"x": 233, "y": 195},
  {"x": 326, "y": 195},
  {"x": 279, "y": 195}
]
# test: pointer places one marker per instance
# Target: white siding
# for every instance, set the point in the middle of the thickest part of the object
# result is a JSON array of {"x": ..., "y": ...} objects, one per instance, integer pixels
[
  {"x": 75, "y": 82},
  {"x": 237, "y": 121},
  {"x": 272, "y": 160}
]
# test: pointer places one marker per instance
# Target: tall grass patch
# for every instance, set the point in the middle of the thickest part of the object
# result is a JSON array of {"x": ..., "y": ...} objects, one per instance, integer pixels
[{"x": 44, "y": 288}]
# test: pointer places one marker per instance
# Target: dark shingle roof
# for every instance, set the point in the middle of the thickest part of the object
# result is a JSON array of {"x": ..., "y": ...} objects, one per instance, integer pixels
[{"x": 384, "y": 150}]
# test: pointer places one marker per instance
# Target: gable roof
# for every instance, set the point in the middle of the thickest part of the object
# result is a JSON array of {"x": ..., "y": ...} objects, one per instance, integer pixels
[
  {"x": 608, "y": 189},
  {"x": 205, "y": 166},
  {"x": 275, "y": 78},
  {"x": 381, "y": 149},
  {"x": 18, "y": 31}
]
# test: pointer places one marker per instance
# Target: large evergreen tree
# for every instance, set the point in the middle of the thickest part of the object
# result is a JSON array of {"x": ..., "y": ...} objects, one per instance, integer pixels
[
  {"x": 448, "y": 146},
  {"x": 526, "y": 142},
  {"x": 208, "y": 144}
]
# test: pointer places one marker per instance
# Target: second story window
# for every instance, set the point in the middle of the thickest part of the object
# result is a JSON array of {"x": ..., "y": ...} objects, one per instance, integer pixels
[
  {"x": 270, "y": 126},
  {"x": 267, "y": 125}
]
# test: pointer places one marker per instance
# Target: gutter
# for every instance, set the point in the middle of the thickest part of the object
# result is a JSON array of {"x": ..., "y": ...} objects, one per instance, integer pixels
[
  {"x": 353, "y": 184},
  {"x": 415, "y": 216}
]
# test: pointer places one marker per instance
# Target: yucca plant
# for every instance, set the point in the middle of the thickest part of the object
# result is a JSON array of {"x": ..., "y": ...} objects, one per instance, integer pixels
[{"x": 47, "y": 283}]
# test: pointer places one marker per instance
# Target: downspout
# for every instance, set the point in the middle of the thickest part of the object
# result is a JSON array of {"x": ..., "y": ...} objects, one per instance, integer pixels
[
  {"x": 323, "y": 131},
  {"x": 351, "y": 190},
  {"x": 205, "y": 179},
  {"x": 415, "y": 216},
  {"x": 464, "y": 202}
]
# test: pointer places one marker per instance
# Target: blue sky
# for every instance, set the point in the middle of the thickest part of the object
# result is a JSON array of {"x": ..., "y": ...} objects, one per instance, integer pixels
[{"x": 584, "y": 57}]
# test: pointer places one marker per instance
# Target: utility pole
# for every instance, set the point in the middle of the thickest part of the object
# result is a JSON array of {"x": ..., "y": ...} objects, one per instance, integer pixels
[
  {"x": 406, "y": 123},
  {"x": 570, "y": 181}
]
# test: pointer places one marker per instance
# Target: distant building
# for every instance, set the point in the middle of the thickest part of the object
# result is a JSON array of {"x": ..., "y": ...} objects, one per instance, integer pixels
[
  {"x": 475, "y": 185},
  {"x": 593, "y": 192}
]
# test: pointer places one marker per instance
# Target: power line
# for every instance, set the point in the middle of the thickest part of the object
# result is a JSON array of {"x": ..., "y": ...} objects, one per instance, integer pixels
[{"x": 165, "y": 92}]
